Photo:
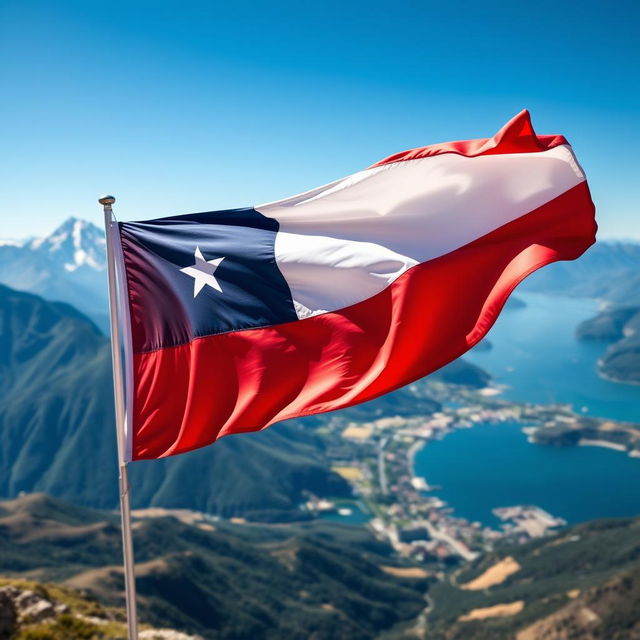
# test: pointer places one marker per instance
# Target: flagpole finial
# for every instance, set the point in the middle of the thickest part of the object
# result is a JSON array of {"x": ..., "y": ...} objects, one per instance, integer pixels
[{"x": 106, "y": 201}]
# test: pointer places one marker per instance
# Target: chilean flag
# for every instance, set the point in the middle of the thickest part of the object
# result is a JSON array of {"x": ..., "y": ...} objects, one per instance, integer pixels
[{"x": 245, "y": 317}]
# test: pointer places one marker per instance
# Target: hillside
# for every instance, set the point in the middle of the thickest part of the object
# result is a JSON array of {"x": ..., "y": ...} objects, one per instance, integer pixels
[
  {"x": 462, "y": 372},
  {"x": 215, "y": 579},
  {"x": 581, "y": 584},
  {"x": 618, "y": 326}
]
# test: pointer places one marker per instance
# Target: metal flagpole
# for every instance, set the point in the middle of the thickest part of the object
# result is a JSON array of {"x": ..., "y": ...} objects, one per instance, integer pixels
[{"x": 118, "y": 387}]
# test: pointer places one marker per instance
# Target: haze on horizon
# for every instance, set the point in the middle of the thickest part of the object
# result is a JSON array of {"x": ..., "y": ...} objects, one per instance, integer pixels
[{"x": 176, "y": 107}]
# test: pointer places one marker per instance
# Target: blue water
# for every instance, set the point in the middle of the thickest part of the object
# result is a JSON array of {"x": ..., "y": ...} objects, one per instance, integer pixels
[
  {"x": 491, "y": 466},
  {"x": 536, "y": 354}
]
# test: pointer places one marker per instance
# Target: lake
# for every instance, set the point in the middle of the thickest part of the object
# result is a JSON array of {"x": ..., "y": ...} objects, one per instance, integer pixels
[{"x": 535, "y": 354}]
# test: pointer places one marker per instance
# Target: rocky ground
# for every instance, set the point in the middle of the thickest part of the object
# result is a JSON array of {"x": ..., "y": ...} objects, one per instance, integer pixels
[{"x": 35, "y": 611}]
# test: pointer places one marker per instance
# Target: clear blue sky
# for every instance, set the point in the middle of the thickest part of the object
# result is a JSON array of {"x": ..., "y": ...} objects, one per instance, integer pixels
[{"x": 193, "y": 106}]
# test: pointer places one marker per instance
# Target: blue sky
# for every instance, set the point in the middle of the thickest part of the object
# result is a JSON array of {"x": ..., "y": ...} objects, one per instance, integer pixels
[{"x": 193, "y": 106}]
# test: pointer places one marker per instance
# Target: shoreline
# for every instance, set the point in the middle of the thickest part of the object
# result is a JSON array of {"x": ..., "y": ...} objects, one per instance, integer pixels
[
  {"x": 608, "y": 378},
  {"x": 413, "y": 450},
  {"x": 587, "y": 442}
]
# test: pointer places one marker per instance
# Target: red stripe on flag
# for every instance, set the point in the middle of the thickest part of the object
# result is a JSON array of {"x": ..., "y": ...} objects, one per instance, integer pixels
[
  {"x": 517, "y": 136},
  {"x": 190, "y": 395}
]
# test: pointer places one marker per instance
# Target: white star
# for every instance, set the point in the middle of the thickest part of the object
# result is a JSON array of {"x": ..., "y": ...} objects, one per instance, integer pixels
[{"x": 202, "y": 272}]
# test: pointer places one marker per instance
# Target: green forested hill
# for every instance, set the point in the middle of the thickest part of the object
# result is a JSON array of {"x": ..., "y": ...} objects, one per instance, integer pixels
[
  {"x": 581, "y": 584},
  {"x": 318, "y": 580}
]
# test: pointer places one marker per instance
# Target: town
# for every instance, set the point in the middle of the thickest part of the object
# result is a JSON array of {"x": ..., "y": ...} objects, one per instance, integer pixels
[{"x": 377, "y": 459}]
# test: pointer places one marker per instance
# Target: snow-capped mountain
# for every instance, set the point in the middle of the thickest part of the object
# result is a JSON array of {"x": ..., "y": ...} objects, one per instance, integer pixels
[
  {"x": 68, "y": 265},
  {"x": 74, "y": 244}
]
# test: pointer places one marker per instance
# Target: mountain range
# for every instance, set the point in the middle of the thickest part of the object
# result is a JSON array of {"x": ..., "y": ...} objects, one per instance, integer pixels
[
  {"x": 69, "y": 265},
  {"x": 608, "y": 271}
]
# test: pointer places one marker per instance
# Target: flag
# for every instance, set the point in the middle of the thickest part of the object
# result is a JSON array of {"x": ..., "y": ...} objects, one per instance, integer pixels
[{"x": 242, "y": 318}]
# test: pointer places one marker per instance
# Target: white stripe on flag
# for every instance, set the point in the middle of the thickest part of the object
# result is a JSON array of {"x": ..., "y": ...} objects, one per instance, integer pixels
[{"x": 344, "y": 242}]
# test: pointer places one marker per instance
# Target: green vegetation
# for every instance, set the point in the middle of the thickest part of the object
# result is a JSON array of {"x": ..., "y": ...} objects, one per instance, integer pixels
[
  {"x": 311, "y": 579},
  {"x": 462, "y": 372},
  {"x": 80, "y": 617},
  {"x": 64, "y": 627},
  {"x": 584, "y": 566}
]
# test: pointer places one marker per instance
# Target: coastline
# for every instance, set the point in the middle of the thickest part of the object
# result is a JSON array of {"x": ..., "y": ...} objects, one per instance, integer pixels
[
  {"x": 417, "y": 446},
  {"x": 467, "y": 408},
  {"x": 400, "y": 499},
  {"x": 575, "y": 377},
  {"x": 587, "y": 442},
  {"x": 609, "y": 378}
]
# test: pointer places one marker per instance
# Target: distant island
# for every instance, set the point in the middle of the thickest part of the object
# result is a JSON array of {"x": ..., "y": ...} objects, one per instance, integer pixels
[{"x": 570, "y": 429}]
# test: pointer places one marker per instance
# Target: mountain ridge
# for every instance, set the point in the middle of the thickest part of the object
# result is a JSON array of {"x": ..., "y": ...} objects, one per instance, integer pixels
[
  {"x": 218, "y": 580},
  {"x": 608, "y": 271},
  {"x": 582, "y": 583},
  {"x": 323, "y": 580}
]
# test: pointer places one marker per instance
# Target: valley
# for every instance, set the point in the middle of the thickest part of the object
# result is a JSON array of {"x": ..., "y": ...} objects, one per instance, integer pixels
[{"x": 219, "y": 580}]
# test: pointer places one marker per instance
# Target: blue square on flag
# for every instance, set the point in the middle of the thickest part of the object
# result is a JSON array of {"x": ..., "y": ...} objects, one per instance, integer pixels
[{"x": 210, "y": 273}]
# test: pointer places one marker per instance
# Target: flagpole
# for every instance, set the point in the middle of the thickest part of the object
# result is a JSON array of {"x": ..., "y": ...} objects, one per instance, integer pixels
[{"x": 118, "y": 388}]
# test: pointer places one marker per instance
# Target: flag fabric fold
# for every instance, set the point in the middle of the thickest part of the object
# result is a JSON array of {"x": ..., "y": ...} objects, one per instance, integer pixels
[{"x": 246, "y": 317}]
